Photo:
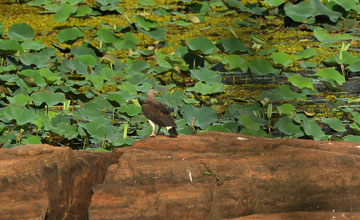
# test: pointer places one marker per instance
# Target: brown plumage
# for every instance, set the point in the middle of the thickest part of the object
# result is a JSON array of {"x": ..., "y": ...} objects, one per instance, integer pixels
[{"x": 158, "y": 114}]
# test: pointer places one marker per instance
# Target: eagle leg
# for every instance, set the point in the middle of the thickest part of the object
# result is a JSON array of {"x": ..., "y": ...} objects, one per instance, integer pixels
[
  {"x": 158, "y": 132},
  {"x": 153, "y": 129}
]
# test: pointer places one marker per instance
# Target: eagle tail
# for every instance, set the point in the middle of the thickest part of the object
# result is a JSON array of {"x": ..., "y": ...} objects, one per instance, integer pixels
[{"x": 173, "y": 132}]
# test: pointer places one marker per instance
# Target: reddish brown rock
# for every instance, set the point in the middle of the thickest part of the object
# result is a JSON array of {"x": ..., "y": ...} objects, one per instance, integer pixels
[
  {"x": 303, "y": 216},
  {"x": 42, "y": 180},
  {"x": 220, "y": 175}
]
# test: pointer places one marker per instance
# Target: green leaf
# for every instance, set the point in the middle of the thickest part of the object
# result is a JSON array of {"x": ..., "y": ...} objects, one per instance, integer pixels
[
  {"x": 130, "y": 109},
  {"x": 206, "y": 75},
  {"x": 311, "y": 128},
  {"x": 48, "y": 97},
  {"x": 236, "y": 62},
  {"x": 33, "y": 45},
  {"x": 20, "y": 32},
  {"x": 233, "y": 45},
  {"x": 18, "y": 113},
  {"x": 158, "y": 33},
  {"x": 144, "y": 23},
  {"x": 281, "y": 58},
  {"x": 306, "y": 54},
  {"x": 69, "y": 35},
  {"x": 281, "y": 93},
  {"x": 330, "y": 73},
  {"x": 83, "y": 11},
  {"x": 322, "y": 36},
  {"x": 301, "y": 82},
  {"x": 206, "y": 89},
  {"x": 19, "y": 99},
  {"x": 35, "y": 59},
  {"x": 352, "y": 138},
  {"x": 39, "y": 81},
  {"x": 106, "y": 36},
  {"x": 201, "y": 44},
  {"x": 31, "y": 140},
  {"x": 96, "y": 80},
  {"x": 286, "y": 109},
  {"x": 64, "y": 12},
  {"x": 9, "y": 47},
  {"x": 261, "y": 67},
  {"x": 346, "y": 4},
  {"x": 334, "y": 124},
  {"x": 203, "y": 116},
  {"x": 88, "y": 60},
  {"x": 287, "y": 126},
  {"x": 354, "y": 67},
  {"x": 300, "y": 12},
  {"x": 248, "y": 122},
  {"x": 95, "y": 128},
  {"x": 146, "y": 2},
  {"x": 274, "y": 3}
]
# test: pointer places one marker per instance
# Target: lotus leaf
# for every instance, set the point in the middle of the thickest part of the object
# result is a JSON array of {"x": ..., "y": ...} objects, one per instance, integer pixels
[
  {"x": 114, "y": 96},
  {"x": 144, "y": 23},
  {"x": 261, "y": 67},
  {"x": 64, "y": 12},
  {"x": 347, "y": 58},
  {"x": 206, "y": 75},
  {"x": 233, "y": 45},
  {"x": 236, "y": 62},
  {"x": 334, "y": 124},
  {"x": 83, "y": 11},
  {"x": 282, "y": 92},
  {"x": 275, "y": 3},
  {"x": 47, "y": 97},
  {"x": 301, "y": 82},
  {"x": 69, "y": 35},
  {"x": 9, "y": 47},
  {"x": 31, "y": 139},
  {"x": 218, "y": 128},
  {"x": 287, "y": 126},
  {"x": 95, "y": 128},
  {"x": 88, "y": 60},
  {"x": 11, "y": 78},
  {"x": 355, "y": 66},
  {"x": 71, "y": 65},
  {"x": 206, "y": 89},
  {"x": 331, "y": 74},
  {"x": 346, "y": 4},
  {"x": 130, "y": 109},
  {"x": 96, "y": 80},
  {"x": 201, "y": 45},
  {"x": 39, "y": 61},
  {"x": 281, "y": 58},
  {"x": 18, "y": 113},
  {"x": 306, "y": 54},
  {"x": 352, "y": 138},
  {"x": 322, "y": 36},
  {"x": 146, "y": 2},
  {"x": 32, "y": 45},
  {"x": 286, "y": 108},
  {"x": 203, "y": 116},
  {"x": 20, "y": 32},
  {"x": 106, "y": 36},
  {"x": 1, "y": 28},
  {"x": 158, "y": 33},
  {"x": 19, "y": 99},
  {"x": 312, "y": 129},
  {"x": 34, "y": 74}
]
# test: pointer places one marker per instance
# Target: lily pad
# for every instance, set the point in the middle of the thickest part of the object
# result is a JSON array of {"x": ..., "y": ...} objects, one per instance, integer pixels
[
  {"x": 202, "y": 45},
  {"x": 233, "y": 45},
  {"x": 301, "y": 82},
  {"x": 281, "y": 58},
  {"x": 69, "y": 35},
  {"x": 306, "y": 54},
  {"x": 64, "y": 12},
  {"x": 332, "y": 74},
  {"x": 287, "y": 126},
  {"x": 334, "y": 124},
  {"x": 9, "y": 47},
  {"x": 21, "y": 32},
  {"x": 47, "y": 97},
  {"x": 18, "y": 113},
  {"x": 203, "y": 116},
  {"x": 312, "y": 129},
  {"x": 261, "y": 67},
  {"x": 206, "y": 75}
]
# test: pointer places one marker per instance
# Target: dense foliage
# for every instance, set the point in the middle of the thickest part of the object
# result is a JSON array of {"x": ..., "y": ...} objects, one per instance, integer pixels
[{"x": 85, "y": 89}]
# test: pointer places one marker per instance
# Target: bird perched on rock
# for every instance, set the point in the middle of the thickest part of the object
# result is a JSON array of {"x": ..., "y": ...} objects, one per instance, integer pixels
[{"x": 158, "y": 114}]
